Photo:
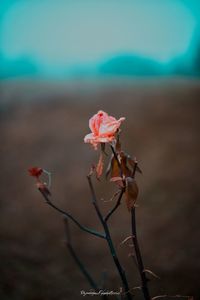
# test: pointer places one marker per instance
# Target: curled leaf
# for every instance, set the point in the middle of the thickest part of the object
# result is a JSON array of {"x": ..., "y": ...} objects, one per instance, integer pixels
[
  {"x": 115, "y": 170},
  {"x": 131, "y": 193}
]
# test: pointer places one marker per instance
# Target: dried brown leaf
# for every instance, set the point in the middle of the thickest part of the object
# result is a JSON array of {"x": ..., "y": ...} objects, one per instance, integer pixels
[
  {"x": 115, "y": 170},
  {"x": 131, "y": 192},
  {"x": 123, "y": 158}
]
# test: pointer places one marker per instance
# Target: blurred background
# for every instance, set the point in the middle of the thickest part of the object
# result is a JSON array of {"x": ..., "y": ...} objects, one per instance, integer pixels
[{"x": 61, "y": 62}]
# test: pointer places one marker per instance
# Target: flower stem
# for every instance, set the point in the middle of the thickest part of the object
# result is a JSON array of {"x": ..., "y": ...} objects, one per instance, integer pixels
[
  {"x": 86, "y": 229},
  {"x": 110, "y": 243},
  {"x": 79, "y": 263},
  {"x": 76, "y": 258},
  {"x": 123, "y": 189},
  {"x": 118, "y": 162},
  {"x": 144, "y": 279},
  {"x": 115, "y": 206}
]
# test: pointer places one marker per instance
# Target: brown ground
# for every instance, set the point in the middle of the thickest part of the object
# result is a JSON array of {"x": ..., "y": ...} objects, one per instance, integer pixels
[{"x": 161, "y": 129}]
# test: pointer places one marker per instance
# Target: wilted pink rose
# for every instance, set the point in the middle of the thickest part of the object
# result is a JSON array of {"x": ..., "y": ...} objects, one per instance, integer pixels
[{"x": 103, "y": 128}]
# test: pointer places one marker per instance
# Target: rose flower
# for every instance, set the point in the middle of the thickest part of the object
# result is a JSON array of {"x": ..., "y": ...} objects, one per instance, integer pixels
[{"x": 103, "y": 128}]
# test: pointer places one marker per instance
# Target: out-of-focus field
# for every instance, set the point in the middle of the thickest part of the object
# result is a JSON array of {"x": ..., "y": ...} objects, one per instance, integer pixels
[{"x": 44, "y": 125}]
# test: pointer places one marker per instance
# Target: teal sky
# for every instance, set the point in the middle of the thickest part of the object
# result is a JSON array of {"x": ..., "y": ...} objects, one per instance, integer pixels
[{"x": 60, "y": 34}]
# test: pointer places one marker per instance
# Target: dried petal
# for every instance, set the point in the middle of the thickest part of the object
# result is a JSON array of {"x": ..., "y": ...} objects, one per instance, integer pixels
[
  {"x": 99, "y": 167},
  {"x": 35, "y": 171}
]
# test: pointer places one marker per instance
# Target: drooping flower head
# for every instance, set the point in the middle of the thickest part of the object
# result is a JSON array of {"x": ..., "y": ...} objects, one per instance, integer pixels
[{"x": 103, "y": 128}]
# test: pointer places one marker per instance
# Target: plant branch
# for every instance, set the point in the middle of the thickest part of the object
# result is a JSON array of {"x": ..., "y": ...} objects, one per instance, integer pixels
[
  {"x": 115, "y": 206},
  {"x": 117, "y": 159},
  {"x": 79, "y": 263},
  {"x": 144, "y": 279},
  {"x": 76, "y": 258},
  {"x": 134, "y": 169},
  {"x": 64, "y": 213},
  {"x": 109, "y": 241},
  {"x": 122, "y": 189}
]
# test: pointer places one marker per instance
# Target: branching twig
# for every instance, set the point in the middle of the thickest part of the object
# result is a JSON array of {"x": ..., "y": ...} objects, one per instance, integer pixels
[
  {"x": 113, "y": 197},
  {"x": 122, "y": 189},
  {"x": 115, "y": 206},
  {"x": 134, "y": 233},
  {"x": 86, "y": 229}
]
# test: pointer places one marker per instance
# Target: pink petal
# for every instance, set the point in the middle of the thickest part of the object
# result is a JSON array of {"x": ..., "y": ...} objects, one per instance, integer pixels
[{"x": 88, "y": 138}]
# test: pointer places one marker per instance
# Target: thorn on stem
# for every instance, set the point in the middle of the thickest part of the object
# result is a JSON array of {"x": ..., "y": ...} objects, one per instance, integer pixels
[
  {"x": 151, "y": 273},
  {"x": 130, "y": 237}
]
